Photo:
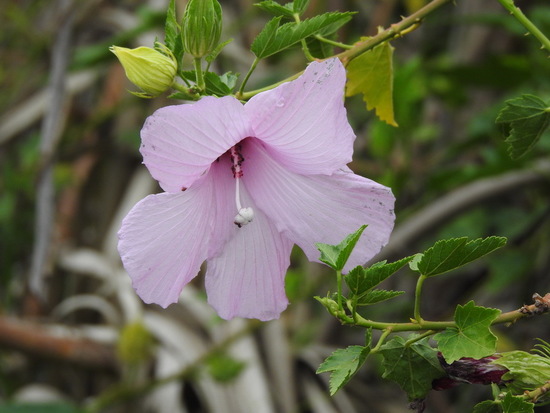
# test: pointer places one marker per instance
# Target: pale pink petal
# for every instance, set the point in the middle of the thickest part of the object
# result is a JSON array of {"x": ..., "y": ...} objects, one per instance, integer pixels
[
  {"x": 319, "y": 208},
  {"x": 166, "y": 237},
  {"x": 180, "y": 142},
  {"x": 247, "y": 279},
  {"x": 304, "y": 121}
]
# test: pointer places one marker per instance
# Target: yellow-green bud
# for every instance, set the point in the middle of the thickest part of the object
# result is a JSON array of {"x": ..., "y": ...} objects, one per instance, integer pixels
[
  {"x": 201, "y": 27},
  {"x": 150, "y": 70}
]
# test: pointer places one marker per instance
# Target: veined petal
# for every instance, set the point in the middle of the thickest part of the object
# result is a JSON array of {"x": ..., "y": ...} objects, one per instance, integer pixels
[
  {"x": 304, "y": 121},
  {"x": 180, "y": 142},
  {"x": 164, "y": 240},
  {"x": 247, "y": 278},
  {"x": 319, "y": 208}
]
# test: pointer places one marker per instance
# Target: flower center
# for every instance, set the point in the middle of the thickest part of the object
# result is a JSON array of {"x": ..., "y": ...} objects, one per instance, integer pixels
[{"x": 244, "y": 215}]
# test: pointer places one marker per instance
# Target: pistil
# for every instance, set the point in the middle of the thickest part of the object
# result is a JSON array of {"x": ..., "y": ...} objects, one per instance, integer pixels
[{"x": 246, "y": 214}]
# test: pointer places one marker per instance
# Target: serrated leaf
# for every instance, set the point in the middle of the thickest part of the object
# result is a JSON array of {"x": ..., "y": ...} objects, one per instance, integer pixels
[
  {"x": 336, "y": 256},
  {"x": 371, "y": 74},
  {"x": 360, "y": 280},
  {"x": 377, "y": 296},
  {"x": 214, "y": 53},
  {"x": 276, "y": 9},
  {"x": 450, "y": 254},
  {"x": 472, "y": 336},
  {"x": 342, "y": 365},
  {"x": 273, "y": 39},
  {"x": 526, "y": 371},
  {"x": 299, "y": 6},
  {"x": 516, "y": 404},
  {"x": 413, "y": 366},
  {"x": 172, "y": 36},
  {"x": 488, "y": 406},
  {"x": 215, "y": 85},
  {"x": 528, "y": 117}
]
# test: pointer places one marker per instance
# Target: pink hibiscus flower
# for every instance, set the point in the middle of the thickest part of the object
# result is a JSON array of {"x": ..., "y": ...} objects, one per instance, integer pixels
[{"x": 243, "y": 184}]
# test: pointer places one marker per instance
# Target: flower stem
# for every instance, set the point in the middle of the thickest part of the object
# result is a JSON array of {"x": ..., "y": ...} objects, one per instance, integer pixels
[
  {"x": 240, "y": 94},
  {"x": 382, "y": 339},
  {"x": 528, "y": 24},
  {"x": 417, "y": 294},
  {"x": 198, "y": 71},
  {"x": 339, "y": 287}
]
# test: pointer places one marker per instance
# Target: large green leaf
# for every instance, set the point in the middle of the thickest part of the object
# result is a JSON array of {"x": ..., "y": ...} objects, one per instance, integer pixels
[
  {"x": 447, "y": 255},
  {"x": 371, "y": 74},
  {"x": 516, "y": 404},
  {"x": 472, "y": 336},
  {"x": 413, "y": 366},
  {"x": 360, "y": 280},
  {"x": 276, "y": 9},
  {"x": 527, "y": 371},
  {"x": 273, "y": 39},
  {"x": 336, "y": 256},
  {"x": 528, "y": 118}
]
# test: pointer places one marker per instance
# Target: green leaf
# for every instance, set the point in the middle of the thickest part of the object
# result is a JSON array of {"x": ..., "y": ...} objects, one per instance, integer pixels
[
  {"x": 488, "y": 406},
  {"x": 413, "y": 366},
  {"x": 516, "y": 404},
  {"x": 172, "y": 37},
  {"x": 299, "y": 6},
  {"x": 371, "y": 74},
  {"x": 336, "y": 256},
  {"x": 526, "y": 371},
  {"x": 528, "y": 118},
  {"x": 447, "y": 255},
  {"x": 472, "y": 336},
  {"x": 276, "y": 9},
  {"x": 344, "y": 363},
  {"x": 273, "y": 39},
  {"x": 360, "y": 280},
  {"x": 377, "y": 296},
  {"x": 214, "y": 53},
  {"x": 215, "y": 85}
]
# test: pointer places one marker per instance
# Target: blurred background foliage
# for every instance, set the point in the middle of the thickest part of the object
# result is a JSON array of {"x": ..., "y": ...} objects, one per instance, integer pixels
[{"x": 452, "y": 76}]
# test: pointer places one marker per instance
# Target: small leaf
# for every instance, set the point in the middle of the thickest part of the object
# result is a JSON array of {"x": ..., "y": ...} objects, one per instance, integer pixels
[
  {"x": 472, "y": 336},
  {"x": 342, "y": 365},
  {"x": 172, "y": 36},
  {"x": 276, "y": 9},
  {"x": 214, "y": 53},
  {"x": 273, "y": 39},
  {"x": 447, "y": 255},
  {"x": 516, "y": 404},
  {"x": 413, "y": 366},
  {"x": 360, "y": 280},
  {"x": 224, "y": 368},
  {"x": 528, "y": 118},
  {"x": 371, "y": 74},
  {"x": 299, "y": 6},
  {"x": 336, "y": 256}
]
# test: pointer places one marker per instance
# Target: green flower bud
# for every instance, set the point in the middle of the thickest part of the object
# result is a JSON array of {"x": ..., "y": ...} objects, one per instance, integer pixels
[
  {"x": 202, "y": 27},
  {"x": 149, "y": 69}
]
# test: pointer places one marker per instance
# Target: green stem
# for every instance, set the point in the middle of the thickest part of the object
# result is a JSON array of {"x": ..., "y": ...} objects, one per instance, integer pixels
[
  {"x": 419, "y": 337},
  {"x": 382, "y": 339},
  {"x": 198, "y": 71},
  {"x": 417, "y": 294},
  {"x": 305, "y": 49},
  {"x": 240, "y": 94},
  {"x": 528, "y": 24},
  {"x": 189, "y": 92},
  {"x": 339, "y": 287},
  {"x": 332, "y": 42}
]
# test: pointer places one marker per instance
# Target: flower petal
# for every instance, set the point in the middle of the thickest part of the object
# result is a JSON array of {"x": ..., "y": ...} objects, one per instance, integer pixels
[
  {"x": 247, "y": 278},
  {"x": 319, "y": 208},
  {"x": 166, "y": 237},
  {"x": 304, "y": 121},
  {"x": 180, "y": 142}
]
